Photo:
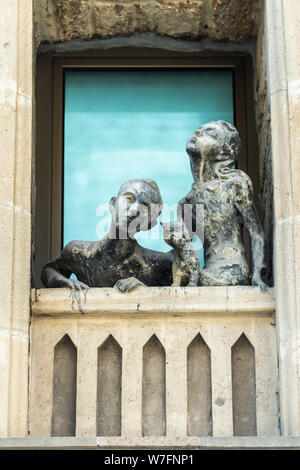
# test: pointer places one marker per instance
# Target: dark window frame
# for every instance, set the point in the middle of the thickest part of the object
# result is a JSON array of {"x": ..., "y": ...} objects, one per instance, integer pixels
[{"x": 47, "y": 204}]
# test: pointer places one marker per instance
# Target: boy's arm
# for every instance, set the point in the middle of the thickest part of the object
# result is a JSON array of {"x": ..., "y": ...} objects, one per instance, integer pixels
[
  {"x": 56, "y": 273},
  {"x": 243, "y": 195}
]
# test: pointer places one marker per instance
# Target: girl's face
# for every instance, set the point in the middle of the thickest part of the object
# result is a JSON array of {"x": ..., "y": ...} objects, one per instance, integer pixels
[{"x": 206, "y": 142}]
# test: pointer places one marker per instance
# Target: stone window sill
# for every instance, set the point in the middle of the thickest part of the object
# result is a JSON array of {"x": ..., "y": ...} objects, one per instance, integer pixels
[{"x": 179, "y": 301}]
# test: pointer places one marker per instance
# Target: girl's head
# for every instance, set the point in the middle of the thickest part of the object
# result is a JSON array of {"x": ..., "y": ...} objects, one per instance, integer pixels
[{"x": 214, "y": 142}]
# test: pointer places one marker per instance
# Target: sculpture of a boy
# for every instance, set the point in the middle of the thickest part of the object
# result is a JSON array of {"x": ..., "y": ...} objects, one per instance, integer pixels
[
  {"x": 116, "y": 260},
  {"x": 227, "y": 196}
]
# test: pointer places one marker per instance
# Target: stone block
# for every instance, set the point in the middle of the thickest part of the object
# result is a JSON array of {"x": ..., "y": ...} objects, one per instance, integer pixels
[
  {"x": 74, "y": 19},
  {"x": 179, "y": 18},
  {"x": 113, "y": 19},
  {"x": 232, "y": 19}
]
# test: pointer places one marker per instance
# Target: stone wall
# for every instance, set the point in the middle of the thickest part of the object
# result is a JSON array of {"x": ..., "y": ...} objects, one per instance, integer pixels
[
  {"x": 263, "y": 128},
  {"x": 283, "y": 59},
  {"x": 15, "y": 212},
  {"x": 60, "y": 20}
]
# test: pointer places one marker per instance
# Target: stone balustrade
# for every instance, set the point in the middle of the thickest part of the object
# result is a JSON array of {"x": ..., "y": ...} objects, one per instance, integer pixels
[{"x": 158, "y": 362}]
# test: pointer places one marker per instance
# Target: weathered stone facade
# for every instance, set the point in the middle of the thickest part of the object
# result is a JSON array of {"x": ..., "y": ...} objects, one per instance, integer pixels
[
  {"x": 15, "y": 212},
  {"x": 263, "y": 130},
  {"x": 228, "y": 25},
  {"x": 60, "y": 20}
]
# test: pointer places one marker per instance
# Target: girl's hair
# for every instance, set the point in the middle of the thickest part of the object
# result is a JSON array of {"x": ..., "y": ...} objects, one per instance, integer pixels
[{"x": 232, "y": 146}]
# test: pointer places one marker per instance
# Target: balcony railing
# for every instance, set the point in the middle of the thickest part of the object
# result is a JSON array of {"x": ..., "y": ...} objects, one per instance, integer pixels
[{"x": 167, "y": 361}]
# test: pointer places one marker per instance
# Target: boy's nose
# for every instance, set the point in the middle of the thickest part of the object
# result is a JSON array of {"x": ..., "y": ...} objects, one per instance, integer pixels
[{"x": 133, "y": 208}]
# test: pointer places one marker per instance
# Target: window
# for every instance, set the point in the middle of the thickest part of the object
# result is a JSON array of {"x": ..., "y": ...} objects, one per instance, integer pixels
[{"x": 103, "y": 121}]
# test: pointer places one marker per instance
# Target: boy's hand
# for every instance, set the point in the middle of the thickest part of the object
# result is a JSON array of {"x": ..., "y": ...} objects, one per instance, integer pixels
[{"x": 128, "y": 284}]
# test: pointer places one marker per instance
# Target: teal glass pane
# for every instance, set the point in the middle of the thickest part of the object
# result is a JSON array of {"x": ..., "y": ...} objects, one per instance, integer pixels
[{"x": 126, "y": 124}]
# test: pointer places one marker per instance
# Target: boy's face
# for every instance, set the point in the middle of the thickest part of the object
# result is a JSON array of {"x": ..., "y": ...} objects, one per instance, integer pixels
[{"x": 134, "y": 209}]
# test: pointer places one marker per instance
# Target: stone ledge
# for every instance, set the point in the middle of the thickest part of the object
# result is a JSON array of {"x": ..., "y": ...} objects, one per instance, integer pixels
[
  {"x": 179, "y": 301},
  {"x": 148, "y": 443}
]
